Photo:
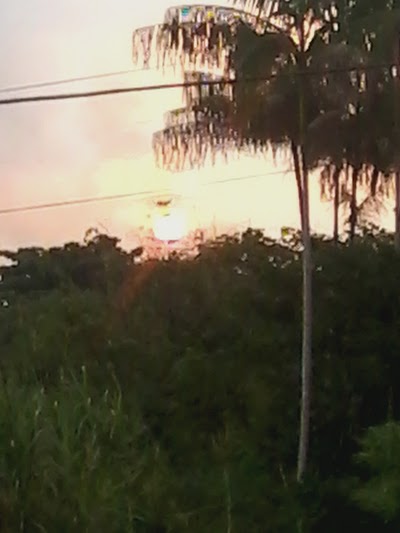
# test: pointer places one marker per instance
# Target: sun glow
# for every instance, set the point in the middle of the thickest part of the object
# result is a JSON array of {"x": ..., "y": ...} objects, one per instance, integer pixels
[{"x": 170, "y": 225}]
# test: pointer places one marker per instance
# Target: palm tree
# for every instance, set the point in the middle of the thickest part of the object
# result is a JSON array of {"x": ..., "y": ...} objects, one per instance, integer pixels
[
  {"x": 373, "y": 26},
  {"x": 274, "y": 40},
  {"x": 355, "y": 139},
  {"x": 355, "y": 142},
  {"x": 332, "y": 135}
]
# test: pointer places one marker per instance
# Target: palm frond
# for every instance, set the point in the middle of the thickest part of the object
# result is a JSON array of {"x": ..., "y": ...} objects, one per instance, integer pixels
[
  {"x": 199, "y": 92},
  {"x": 205, "y": 35},
  {"x": 370, "y": 209},
  {"x": 252, "y": 119},
  {"x": 191, "y": 140},
  {"x": 195, "y": 36}
]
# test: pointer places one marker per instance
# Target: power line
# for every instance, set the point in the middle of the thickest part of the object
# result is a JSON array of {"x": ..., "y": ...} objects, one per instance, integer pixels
[
  {"x": 142, "y": 194},
  {"x": 182, "y": 85},
  {"x": 39, "y": 85}
]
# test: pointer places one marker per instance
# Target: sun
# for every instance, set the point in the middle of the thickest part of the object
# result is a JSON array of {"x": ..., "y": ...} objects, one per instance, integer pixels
[{"x": 170, "y": 225}]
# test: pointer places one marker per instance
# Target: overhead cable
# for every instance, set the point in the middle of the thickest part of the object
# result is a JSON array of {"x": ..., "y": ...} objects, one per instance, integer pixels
[
  {"x": 182, "y": 85},
  {"x": 139, "y": 194},
  {"x": 64, "y": 81}
]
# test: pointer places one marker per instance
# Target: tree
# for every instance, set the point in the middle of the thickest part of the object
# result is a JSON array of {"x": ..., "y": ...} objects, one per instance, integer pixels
[
  {"x": 378, "y": 456},
  {"x": 372, "y": 27},
  {"x": 272, "y": 40},
  {"x": 96, "y": 264}
]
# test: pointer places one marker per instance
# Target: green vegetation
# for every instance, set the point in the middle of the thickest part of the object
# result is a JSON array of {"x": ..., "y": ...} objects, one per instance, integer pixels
[{"x": 164, "y": 395}]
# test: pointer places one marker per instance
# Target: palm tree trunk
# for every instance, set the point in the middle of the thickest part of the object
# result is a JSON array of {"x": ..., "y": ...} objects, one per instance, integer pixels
[
  {"x": 297, "y": 173},
  {"x": 397, "y": 139},
  {"x": 353, "y": 203},
  {"x": 336, "y": 202},
  {"x": 301, "y": 174},
  {"x": 306, "y": 364},
  {"x": 397, "y": 212},
  {"x": 306, "y": 353}
]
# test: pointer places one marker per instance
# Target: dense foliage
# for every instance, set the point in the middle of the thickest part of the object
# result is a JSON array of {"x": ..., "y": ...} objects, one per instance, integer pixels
[{"x": 163, "y": 396}]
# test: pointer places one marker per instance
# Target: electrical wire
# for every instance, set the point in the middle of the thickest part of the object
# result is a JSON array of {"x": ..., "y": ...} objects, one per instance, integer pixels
[
  {"x": 39, "y": 85},
  {"x": 140, "y": 194},
  {"x": 182, "y": 85}
]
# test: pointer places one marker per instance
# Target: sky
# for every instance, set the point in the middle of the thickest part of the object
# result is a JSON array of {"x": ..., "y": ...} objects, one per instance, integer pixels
[{"x": 67, "y": 150}]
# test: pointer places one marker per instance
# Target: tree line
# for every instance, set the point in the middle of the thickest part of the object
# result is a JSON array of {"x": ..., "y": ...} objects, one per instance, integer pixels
[{"x": 163, "y": 396}]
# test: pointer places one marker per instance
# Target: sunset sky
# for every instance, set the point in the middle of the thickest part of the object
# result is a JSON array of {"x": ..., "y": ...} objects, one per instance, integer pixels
[{"x": 73, "y": 149}]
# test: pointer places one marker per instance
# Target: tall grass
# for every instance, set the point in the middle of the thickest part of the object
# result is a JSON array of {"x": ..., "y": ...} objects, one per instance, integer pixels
[{"x": 73, "y": 459}]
